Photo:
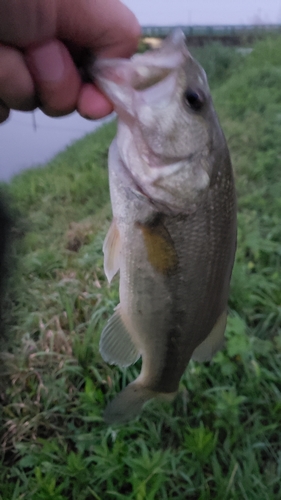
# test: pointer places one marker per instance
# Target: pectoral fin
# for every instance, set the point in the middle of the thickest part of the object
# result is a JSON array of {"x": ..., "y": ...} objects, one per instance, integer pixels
[
  {"x": 116, "y": 345},
  {"x": 112, "y": 251},
  {"x": 213, "y": 343}
]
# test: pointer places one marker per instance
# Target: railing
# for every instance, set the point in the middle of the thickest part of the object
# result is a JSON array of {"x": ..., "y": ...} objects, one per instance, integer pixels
[{"x": 213, "y": 31}]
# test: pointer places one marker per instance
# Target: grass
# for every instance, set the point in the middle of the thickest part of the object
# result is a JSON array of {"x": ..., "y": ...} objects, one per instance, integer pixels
[{"x": 221, "y": 437}]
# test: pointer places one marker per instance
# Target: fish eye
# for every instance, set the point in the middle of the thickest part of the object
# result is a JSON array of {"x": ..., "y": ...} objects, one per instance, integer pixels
[{"x": 194, "y": 98}]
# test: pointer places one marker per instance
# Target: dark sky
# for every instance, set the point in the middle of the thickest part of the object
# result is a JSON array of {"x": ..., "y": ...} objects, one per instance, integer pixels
[{"x": 161, "y": 12}]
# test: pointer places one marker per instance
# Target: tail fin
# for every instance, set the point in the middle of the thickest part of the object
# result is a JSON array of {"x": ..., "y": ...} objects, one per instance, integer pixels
[{"x": 128, "y": 404}]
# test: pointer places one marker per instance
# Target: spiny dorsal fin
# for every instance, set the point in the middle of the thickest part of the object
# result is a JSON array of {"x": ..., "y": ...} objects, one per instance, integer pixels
[
  {"x": 112, "y": 251},
  {"x": 213, "y": 343},
  {"x": 116, "y": 345}
]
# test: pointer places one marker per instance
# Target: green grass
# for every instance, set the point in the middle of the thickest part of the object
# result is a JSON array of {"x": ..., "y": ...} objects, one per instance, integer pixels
[{"x": 221, "y": 437}]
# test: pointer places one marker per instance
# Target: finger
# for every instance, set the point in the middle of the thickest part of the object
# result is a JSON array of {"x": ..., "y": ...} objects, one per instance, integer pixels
[
  {"x": 108, "y": 27},
  {"x": 16, "y": 84},
  {"x": 24, "y": 22},
  {"x": 56, "y": 77},
  {"x": 92, "y": 103},
  {"x": 4, "y": 112}
]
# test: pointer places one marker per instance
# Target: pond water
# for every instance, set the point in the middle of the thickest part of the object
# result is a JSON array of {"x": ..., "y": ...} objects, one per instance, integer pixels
[{"x": 31, "y": 139}]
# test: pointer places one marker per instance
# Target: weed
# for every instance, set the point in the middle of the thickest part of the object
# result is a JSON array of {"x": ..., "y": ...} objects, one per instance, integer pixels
[{"x": 220, "y": 438}]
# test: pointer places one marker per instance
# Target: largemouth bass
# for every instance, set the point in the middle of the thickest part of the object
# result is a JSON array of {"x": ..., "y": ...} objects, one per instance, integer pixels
[{"x": 173, "y": 233}]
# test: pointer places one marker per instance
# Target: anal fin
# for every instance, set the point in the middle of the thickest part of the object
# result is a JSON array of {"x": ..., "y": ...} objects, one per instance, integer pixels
[
  {"x": 116, "y": 345},
  {"x": 213, "y": 343},
  {"x": 112, "y": 251}
]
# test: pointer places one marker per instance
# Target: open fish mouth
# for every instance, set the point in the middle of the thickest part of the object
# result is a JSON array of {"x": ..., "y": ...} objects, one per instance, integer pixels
[
  {"x": 153, "y": 75},
  {"x": 143, "y": 70}
]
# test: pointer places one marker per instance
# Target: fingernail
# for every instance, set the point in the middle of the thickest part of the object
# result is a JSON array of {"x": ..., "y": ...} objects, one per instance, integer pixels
[{"x": 48, "y": 62}]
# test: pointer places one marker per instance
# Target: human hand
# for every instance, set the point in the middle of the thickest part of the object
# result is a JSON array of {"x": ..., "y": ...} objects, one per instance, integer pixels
[{"x": 39, "y": 41}]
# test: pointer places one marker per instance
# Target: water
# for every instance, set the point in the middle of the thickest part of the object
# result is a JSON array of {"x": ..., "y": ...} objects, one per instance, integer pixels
[{"x": 31, "y": 139}]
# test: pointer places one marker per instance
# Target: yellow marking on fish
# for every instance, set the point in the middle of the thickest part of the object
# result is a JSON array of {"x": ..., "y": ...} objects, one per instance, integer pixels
[{"x": 160, "y": 248}]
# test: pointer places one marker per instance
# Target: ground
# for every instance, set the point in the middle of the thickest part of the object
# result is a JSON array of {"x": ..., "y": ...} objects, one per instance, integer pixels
[{"x": 221, "y": 438}]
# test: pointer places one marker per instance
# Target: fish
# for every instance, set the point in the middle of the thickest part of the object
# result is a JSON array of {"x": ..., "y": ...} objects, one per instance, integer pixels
[{"x": 173, "y": 232}]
